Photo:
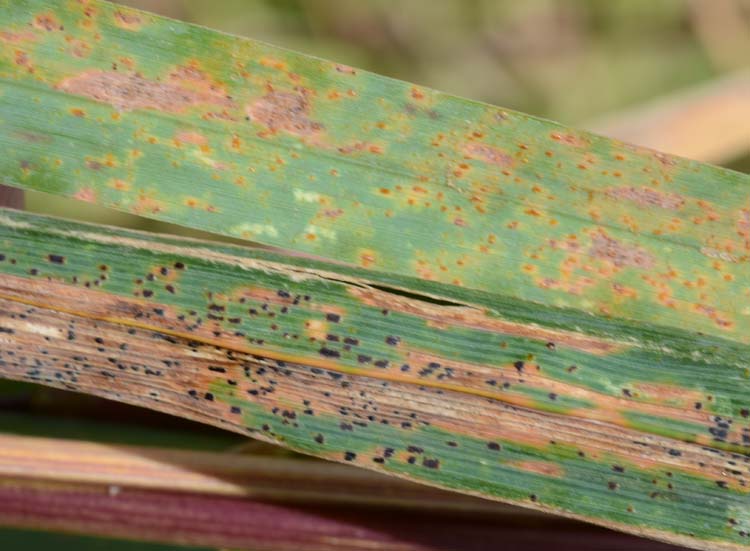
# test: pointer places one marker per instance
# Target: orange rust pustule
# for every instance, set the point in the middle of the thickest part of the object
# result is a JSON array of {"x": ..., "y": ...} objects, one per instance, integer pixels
[
  {"x": 476, "y": 319},
  {"x": 286, "y": 111},
  {"x": 620, "y": 254},
  {"x": 647, "y": 197},
  {"x": 488, "y": 154},
  {"x": 131, "y": 91}
]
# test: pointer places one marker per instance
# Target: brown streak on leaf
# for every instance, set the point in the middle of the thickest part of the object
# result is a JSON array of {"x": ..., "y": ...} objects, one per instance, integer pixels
[
  {"x": 620, "y": 254},
  {"x": 131, "y": 91},
  {"x": 488, "y": 154},
  {"x": 14, "y": 37},
  {"x": 127, "y": 20},
  {"x": 284, "y": 111},
  {"x": 646, "y": 197},
  {"x": 545, "y": 468}
]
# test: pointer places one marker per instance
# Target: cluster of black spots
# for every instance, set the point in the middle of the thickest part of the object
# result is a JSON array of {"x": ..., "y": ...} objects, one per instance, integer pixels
[
  {"x": 334, "y": 318},
  {"x": 392, "y": 340},
  {"x": 533, "y": 497},
  {"x": 235, "y": 410},
  {"x": 56, "y": 258},
  {"x": 618, "y": 469},
  {"x": 720, "y": 428},
  {"x": 350, "y": 456},
  {"x": 494, "y": 446},
  {"x": 329, "y": 352},
  {"x": 571, "y": 368},
  {"x": 431, "y": 463},
  {"x": 519, "y": 365},
  {"x": 744, "y": 412},
  {"x": 436, "y": 367},
  {"x": 674, "y": 453},
  {"x": 552, "y": 396},
  {"x": 612, "y": 485}
]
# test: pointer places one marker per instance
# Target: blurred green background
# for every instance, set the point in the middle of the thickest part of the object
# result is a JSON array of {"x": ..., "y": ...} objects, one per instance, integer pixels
[{"x": 574, "y": 61}]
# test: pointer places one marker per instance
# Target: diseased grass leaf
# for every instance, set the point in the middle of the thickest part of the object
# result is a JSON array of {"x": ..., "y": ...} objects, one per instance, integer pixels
[
  {"x": 340, "y": 363},
  {"x": 512, "y": 309},
  {"x": 181, "y": 123}
]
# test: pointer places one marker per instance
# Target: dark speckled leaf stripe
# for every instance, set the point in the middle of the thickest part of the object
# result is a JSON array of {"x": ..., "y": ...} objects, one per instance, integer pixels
[{"x": 435, "y": 383}]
